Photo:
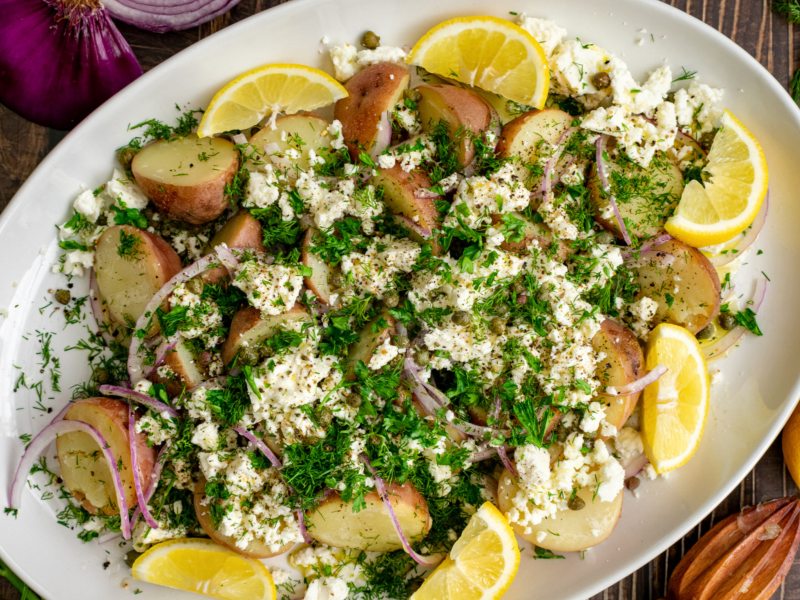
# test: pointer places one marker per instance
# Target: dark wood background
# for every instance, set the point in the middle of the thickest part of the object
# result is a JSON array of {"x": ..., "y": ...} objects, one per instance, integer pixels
[{"x": 750, "y": 23}]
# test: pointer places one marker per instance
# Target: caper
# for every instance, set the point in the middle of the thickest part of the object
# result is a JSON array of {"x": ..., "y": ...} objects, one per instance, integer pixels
[
  {"x": 497, "y": 325},
  {"x": 195, "y": 286},
  {"x": 337, "y": 279},
  {"x": 370, "y": 40},
  {"x": 461, "y": 317},
  {"x": 727, "y": 321},
  {"x": 400, "y": 340},
  {"x": 131, "y": 557},
  {"x": 601, "y": 80},
  {"x": 102, "y": 376},
  {"x": 391, "y": 299},
  {"x": 632, "y": 483},
  {"x": 707, "y": 332},
  {"x": 576, "y": 503},
  {"x": 423, "y": 357},
  {"x": 62, "y": 296}
]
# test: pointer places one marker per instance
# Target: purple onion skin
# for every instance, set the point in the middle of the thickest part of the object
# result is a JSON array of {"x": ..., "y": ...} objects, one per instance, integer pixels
[{"x": 58, "y": 62}]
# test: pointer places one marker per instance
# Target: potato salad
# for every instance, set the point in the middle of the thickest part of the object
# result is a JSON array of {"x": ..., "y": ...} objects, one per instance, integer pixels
[{"x": 333, "y": 336}]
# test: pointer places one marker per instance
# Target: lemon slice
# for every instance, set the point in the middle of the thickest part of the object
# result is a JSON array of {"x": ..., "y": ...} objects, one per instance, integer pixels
[
  {"x": 203, "y": 567},
  {"x": 481, "y": 564},
  {"x": 267, "y": 90},
  {"x": 489, "y": 53},
  {"x": 674, "y": 407},
  {"x": 718, "y": 210}
]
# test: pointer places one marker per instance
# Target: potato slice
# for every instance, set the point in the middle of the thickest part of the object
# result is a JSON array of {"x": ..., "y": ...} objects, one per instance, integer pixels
[
  {"x": 319, "y": 281},
  {"x": 183, "y": 365},
  {"x": 374, "y": 333},
  {"x": 335, "y": 523},
  {"x": 242, "y": 230},
  {"x": 186, "y": 177},
  {"x": 532, "y": 232},
  {"x": 464, "y": 112},
  {"x": 408, "y": 196},
  {"x": 569, "y": 530},
  {"x": 534, "y": 133},
  {"x": 84, "y": 469},
  {"x": 365, "y": 113},
  {"x": 255, "y": 549},
  {"x": 249, "y": 329},
  {"x": 300, "y": 132},
  {"x": 623, "y": 363},
  {"x": 131, "y": 266},
  {"x": 648, "y": 197},
  {"x": 682, "y": 281}
]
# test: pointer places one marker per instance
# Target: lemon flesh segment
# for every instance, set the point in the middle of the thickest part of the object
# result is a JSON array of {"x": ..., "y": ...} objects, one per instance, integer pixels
[
  {"x": 489, "y": 53},
  {"x": 675, "y": 407},
  {"x": 481, "y": 564},
  {"x": 203, "y": 567},
  {"x": 266, "y": 90},
  {"x": 719, "y": 209}
]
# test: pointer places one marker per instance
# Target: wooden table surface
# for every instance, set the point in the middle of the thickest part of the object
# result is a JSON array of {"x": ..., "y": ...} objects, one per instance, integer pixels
[{"x": 749, "y": 23}]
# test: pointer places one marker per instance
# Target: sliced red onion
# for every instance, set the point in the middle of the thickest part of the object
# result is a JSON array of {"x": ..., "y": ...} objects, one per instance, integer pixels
[
  {"x": 43, "y": 439},
  {"x": 227, "y": 257},
  {"x": 634, "y": 465},
  {"x": 239, "y": 138},
  {"x": 97, "y": 309},
  {"x": 265, "y": 450},
  {"x": 750, "y": 236},
  {"x": 600, "y": 146},
  {"x": 507, "y": 462},
  {"x": 138, "y": 397},
  {"x": 380, "y": 487},
  {"x": 164, "y": 348},
  {"x": 301, "y": 523},
  {"x": 730, "y": 339},
  {"x": 550, "y": 165},
  {"x": 638, "y": 385},
  {"x": 653, "y": 242},
  {"x": 421, "y": 231},
  {"x": 152, "y": 485},
  {"x": 61, "y": 59},
  {"x": 137, "y": 481},
  {"x": 483, "y": 454},
  {"x": 383, "y": 137},
  {"x": 135, "y": 366},
  {"x": 163, "y": 16}
]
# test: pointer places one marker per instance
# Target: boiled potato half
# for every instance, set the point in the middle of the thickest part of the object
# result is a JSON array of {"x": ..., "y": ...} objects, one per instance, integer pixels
[
  {"x": 365, "y": 114},
  {"x": 464, "y": 112},
  {"x": 370, "y": 338},
  {"x": 184, "y": 370},
  {"x": 300, "y": 132},
  {"x": 319, "y": 282},
  {"x": 255, "y": 549},
  {"x": 531, "y": 232},
  {"x": 623, "y": 363},
  {"x": 407, "y": 195},
  {"x": 249, "y": 329},
  {"x": 532, "y": 135},
  {"x": 242, "y": 231},
  {"x": 186, "y": 177},
  {"x": 335, "y": 523},
  {"x": 131, "y": 266},
  {"x": 84, "y": 469},
  {"x": 682, "y": 281},
  {"x": 646, "y": 198},
  {"x": 569, "y": 530}
]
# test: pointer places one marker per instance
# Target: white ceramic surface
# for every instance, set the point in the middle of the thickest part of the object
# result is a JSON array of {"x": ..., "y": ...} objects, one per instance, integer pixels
[{"x": 759, "y": 381}]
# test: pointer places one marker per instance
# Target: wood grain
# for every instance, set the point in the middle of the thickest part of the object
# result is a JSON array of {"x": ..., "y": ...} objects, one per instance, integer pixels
[{"x": 750, "y": 23}]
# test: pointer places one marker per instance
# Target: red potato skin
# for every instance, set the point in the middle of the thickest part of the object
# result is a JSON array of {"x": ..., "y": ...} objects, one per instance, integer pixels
[
  {"x": 242, "y": 230},
  {"x": 422, "y": 207},
  {"x": 169, "y": 259},
  {"x": 117, "y": 412},
  {"x": 244, "y": 320},
  {"x": 515, "y": 127},
  {"x": 196, "y": 205},
  {"x": 373, "y": 91}
]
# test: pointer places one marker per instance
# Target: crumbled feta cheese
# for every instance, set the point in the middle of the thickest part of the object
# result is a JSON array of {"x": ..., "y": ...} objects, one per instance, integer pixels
[
  {"x": 124, "y": 192},
  {"x": 384, "y": 354},
  {"x": 272, "y": 289},
  {"x": 348, "y": 60},
  {"x": 699, "y": 108},
  {"x": 478, "y": 198},
  {"x": 206, "y": 436},
  {"x": 547, "y": 33},
  {"x": 374, "y": 270},
  {"x": 574, "y": 63},
  {"x": 75, "y": 262},
  {"x": 89, "y": 205}
]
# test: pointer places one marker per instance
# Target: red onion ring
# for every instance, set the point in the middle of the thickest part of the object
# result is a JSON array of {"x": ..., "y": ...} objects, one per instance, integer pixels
[
  {"x": 138, "y": 397},
  {"x": 301, "y": 523},
  {"x": 161, "y": 17},
  {"x": 600, "y": 146},
  {"x": 164, "y": 348},
  {"x": 730, "y": 339},
  {"x": 638, "y": 385},
  {"x": 507, "y": 462},
  {"x": 137, "y": 481},
  {"x": 383, "y": 136},
  {"x": 545, "y": 186},
  {"x": 265, "y": 450},
  {"x": 422, "y": 232},
  {"x": 227, "y": 257},
  {"x": 635, "y": 465},
  {"x": 380, "y": 487},
  {"x": 39, "y": 443},
  {"x": 647, "y": 246},
  {"x": 152, "y": 485},
  {"x": 135, "y": 367},
  {"x": 482, "y": 454},
  {"x": 97, "y": 309},
  {"x": 731, "y": 254}
]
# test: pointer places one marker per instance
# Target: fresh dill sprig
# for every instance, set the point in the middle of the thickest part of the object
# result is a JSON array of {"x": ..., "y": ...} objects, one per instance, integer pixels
[
  {"x": 685, "y": 75},
  {"x": 788, "y": 8}
]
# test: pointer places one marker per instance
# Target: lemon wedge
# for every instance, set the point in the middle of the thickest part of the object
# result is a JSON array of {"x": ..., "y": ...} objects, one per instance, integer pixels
[
  {"x": 489, "y": 53},
  {"x": 718, "y": 210},
  {"x": 268, "y": 90},
  {"x": 674, "y": 408},
  {"x": 203, "y": 567},
  {"x": 481, "y": 564}
]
